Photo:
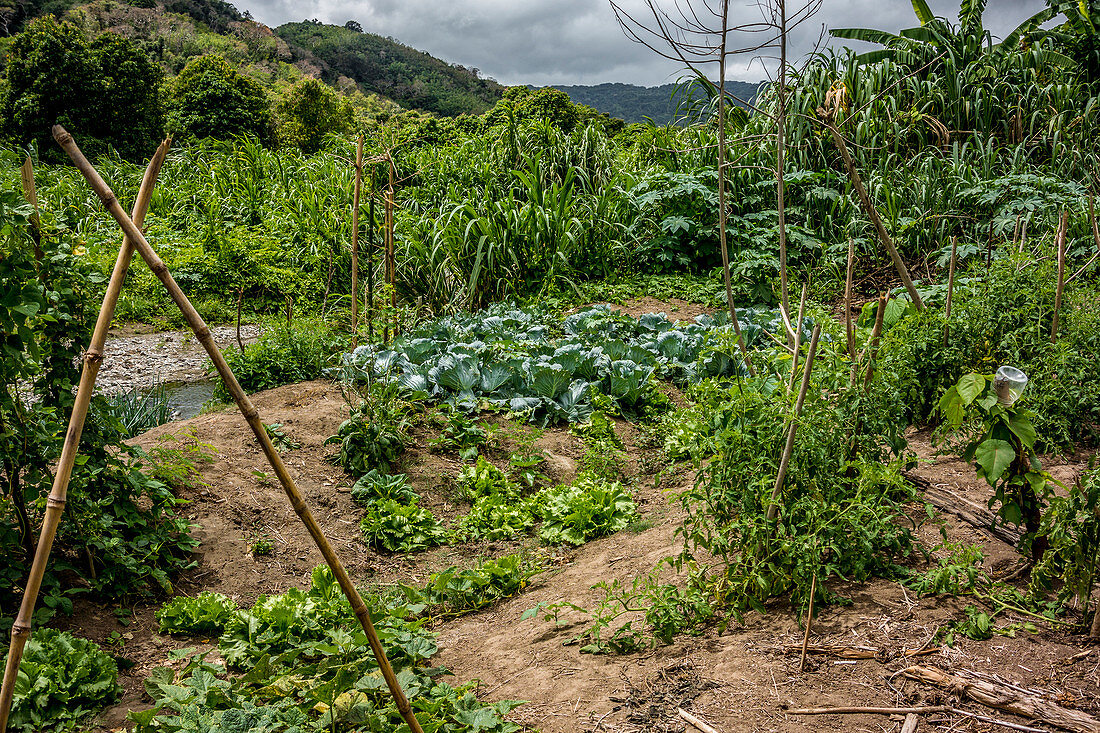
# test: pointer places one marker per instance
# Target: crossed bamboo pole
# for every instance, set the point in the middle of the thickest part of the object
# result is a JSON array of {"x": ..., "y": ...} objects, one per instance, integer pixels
[
  {"x": 134, "y": 239},
  {"x": 55, "y": 504}
]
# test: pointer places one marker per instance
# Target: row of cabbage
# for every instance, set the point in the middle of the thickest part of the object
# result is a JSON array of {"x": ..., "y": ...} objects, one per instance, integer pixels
[{"x": 555, "y": 369}]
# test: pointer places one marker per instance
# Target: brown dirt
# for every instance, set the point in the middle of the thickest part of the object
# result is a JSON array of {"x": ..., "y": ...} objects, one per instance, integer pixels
[
  {"x": 741, "y": 678},
  {"x": 677, "y": 310}
]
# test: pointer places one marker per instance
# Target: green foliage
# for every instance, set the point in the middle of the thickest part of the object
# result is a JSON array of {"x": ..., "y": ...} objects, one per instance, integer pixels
[
  {"x": 374, "y": 435},
  {"x": 140, "y": 409},
  {"x": 496, "y": 516},
  {"x": 210, "y": 98},
  {"x": 309, "y": 111},
  {"x": 282, "y": 356},
  {"x": 454, "y": 591},
  {"x": 1071, "y": 528},
  {"x": 603, "y": 450},
  {"x": 1000, "y": 441},
  {"x": 124, "y": 536},
  {"x": 374, "y": 486},
  {"x": 461, "y": 435},
  {"x": 279, "y": 438},
  {"x": 412, "y": 78},
  {"x": 395, "y": 527},
  {"x": 56, "y": 77},
  {"x": 590, "y": 507},
  {"x": 61, "y": 681},
  {"x": 305, "y": 665},
  {"x": 176, "y": 459},
  {"x": 483, "y": 479},
  {"x": 203, "y": 615},
  {"x": 957, "y": 572}
]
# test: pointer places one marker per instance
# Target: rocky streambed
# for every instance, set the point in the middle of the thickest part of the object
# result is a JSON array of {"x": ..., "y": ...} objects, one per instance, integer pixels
[{"x": 136, "y": 360}]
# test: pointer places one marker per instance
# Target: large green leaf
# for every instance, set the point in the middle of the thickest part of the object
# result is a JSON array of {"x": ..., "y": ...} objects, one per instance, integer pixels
[
  {"x": 970, "y": 386},
  {"x": 1022, "y": 428},
  {"x": 994, "y": 457},
  {"x": 924, "y": 13}
]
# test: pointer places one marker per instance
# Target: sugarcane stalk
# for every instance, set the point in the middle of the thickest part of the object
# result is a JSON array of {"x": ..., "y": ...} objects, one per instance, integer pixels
[
  {"x": 55, "y": 503},
  {"x": 251, "y": 416},
  {"x": 355, "y": 244}
]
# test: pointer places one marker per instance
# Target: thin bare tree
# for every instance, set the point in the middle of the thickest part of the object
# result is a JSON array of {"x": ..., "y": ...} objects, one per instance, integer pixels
[{"x": 700, "y": 35}]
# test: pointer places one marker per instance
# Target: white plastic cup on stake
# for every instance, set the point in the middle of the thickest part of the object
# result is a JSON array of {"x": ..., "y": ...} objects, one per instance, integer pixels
[{"x": 1008, "y": 384}]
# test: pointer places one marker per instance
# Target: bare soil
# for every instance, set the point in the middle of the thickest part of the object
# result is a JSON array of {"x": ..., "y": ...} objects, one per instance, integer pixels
[{"x": 740, "y": 678}]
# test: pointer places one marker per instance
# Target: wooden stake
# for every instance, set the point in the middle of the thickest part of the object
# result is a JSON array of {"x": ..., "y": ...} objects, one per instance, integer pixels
[
  {"x": 852, "y": 710},
  {"x": 849, "y": 330},
  {"x": 868, "y": 207},
  {"x": 355, "y": 244},
  {"x": 240, "y": 301},
  {"x": 798, "y": 336},
  {"x": 1063, "y": 226},
  {"x": 55, "y": 503},
  {"x": 30, "y": 192},
  {"x": 950, "y": 291},
  {"x": 372, "y": 228},
  {"x": 809, "y": 622},
  {"x": 251, "y": 416},
  {"x": 876, "y": 334},
  {"x": 773, "y": 506},
  {"x": 910, "y": 724}
]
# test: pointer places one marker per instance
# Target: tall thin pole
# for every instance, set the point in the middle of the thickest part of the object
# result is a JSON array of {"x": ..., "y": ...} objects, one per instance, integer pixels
[
  {"x": 251, "y": 416},
  {"x": 950, "y": 291},
  {"x": 355, "y": 244},
  {"x": 55, "y": 503},
  {"x": 1063, "y": 226},
  {"x": 372, "y": 231},
  {"x": 722, "y": 214}
]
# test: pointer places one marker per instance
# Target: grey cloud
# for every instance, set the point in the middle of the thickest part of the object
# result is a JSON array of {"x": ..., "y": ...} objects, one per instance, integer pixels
[{"x": 578, "y": 41}]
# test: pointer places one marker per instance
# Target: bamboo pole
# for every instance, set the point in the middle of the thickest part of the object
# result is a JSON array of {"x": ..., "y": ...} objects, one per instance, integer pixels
[
  {"x": 1062, "y": 227},
  {"x": 950, "y": 290},
  {"x": 55, "y": 503},
  {"x": 798, "y": 336},
  {"x": 880, "y": 228},
  {"x": 248, "y": 411},
  {"x": 390, "y": 263},
  {"x": 355, "y": 244},
  {"x": 849, "y": 331},
  {"x": 26, "y": 173},
  {"x": 876, "y": 333},
  {"x": 372, "y": 228},
  {"x": 784, "y": 462}
]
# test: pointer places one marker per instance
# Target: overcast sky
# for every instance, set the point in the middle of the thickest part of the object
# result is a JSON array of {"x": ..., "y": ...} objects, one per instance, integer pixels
[{"x": 544, "y": 42}]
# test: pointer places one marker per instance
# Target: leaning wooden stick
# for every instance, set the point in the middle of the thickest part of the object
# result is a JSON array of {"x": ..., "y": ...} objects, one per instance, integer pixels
[
  {"x": 55, "y": 504},
  {"x": 251, "y": 416},
  {"x": 1063, "y": 225},
  {"x": 950, "y": 290},
  {"x": 355, "y": 243},
  {"x": 798, "y": 336},
  {"x": 872, "y": 214},
  {"x": 773, "y": 507}
]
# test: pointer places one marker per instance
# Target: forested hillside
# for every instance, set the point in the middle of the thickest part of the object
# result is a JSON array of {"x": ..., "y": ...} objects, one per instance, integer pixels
[
  {"x": 412, "y": 78},
  {"x": 662, "y": 104}
]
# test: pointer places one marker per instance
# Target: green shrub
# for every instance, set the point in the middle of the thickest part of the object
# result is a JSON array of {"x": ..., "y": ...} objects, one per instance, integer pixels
[
  {"x": 591, "y": 507},
  {"x": 396, "y": 527},
  {"x": 205, "y": 614},
  {"x": 61, "y": 681},
  {"x": 373, "y": 436},
  {"x": 282, "y": 356},
  {"x": 375, "y": 486}
]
